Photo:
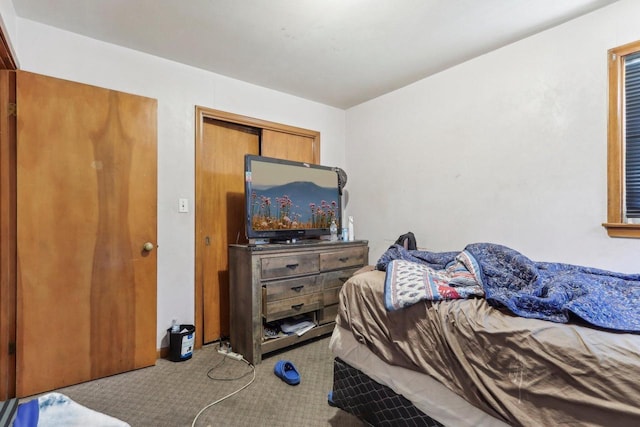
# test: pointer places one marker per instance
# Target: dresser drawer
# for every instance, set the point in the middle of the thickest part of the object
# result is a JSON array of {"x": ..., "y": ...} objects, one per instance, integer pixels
[
  {"x": 328, "y": 314},
  {"x": 335, "y": 279},
  {"x": 291, "y": 288},
  {"x": 331, "y": 296},
  {"x": 289, "y": 265},
  {"x": 282, "y": 308},
  {"x": 344, "y": 258}
]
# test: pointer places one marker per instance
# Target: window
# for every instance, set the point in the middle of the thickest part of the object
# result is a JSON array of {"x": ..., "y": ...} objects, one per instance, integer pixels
[{"x": 623, "y": 165}]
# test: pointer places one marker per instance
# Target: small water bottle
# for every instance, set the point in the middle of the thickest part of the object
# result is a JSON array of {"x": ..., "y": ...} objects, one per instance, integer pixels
[
  {"x": 175, "y": 326},
  {"x": 350, "y": 227},
  {"x": 334, "y": 230}
]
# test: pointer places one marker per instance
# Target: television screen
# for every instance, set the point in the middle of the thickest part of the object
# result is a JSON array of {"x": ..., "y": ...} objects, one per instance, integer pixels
[{"x": 287, "y": 200}]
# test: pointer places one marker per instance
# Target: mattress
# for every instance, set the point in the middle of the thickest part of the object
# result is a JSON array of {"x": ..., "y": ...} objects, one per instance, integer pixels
[{"x": 520, "y": 371}]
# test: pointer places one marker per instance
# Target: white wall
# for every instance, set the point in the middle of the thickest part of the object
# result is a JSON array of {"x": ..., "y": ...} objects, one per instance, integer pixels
[
  {"x": 178, "y": 89},
  {"x": 510, "y": 148}
]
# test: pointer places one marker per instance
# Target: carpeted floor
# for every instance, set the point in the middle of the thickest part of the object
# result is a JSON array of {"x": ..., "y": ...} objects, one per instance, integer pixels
[{"x": 172, "y": 393}]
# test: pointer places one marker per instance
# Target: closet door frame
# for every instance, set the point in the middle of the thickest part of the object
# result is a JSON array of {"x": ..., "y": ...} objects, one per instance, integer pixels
[
  {"x": 202, "y": 114},
  {"x": 8, "y": 217},
  {"x": 8, "y": 267}
]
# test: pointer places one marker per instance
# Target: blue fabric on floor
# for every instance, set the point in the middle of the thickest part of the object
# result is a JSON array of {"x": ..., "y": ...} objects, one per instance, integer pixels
[{"x": 28, "y": 414}]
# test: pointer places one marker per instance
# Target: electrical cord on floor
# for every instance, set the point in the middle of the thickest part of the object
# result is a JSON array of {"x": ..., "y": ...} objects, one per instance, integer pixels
[
  {"x": 220, "y": 363},
  {"x": 253, "y": 370}
]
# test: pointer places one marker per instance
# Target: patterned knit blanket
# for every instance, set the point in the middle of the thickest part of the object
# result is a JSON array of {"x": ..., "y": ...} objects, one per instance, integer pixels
[
  {"x": 540, "y": 290},
  {"x": 408, "y": 282}
]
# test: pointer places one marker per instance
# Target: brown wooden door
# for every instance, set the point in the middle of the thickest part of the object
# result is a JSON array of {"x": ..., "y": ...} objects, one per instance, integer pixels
[
  {"x": 86, "y": 203},
  {"x": 220, "y": 214}
]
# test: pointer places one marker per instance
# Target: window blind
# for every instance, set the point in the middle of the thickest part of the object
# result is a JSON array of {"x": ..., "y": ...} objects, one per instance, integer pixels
[{"x": 632, "y": 135}]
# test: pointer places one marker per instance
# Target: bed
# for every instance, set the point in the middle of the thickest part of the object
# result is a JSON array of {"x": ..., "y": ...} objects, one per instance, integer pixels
[{"x": 472, "y": 361}]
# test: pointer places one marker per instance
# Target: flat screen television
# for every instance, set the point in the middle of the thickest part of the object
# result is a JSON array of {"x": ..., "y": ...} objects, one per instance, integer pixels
[{"x": 289, "y": 201}]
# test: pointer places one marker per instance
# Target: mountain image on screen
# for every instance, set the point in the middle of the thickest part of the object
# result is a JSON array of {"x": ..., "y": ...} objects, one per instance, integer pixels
[{"x": 294, "y": 205}]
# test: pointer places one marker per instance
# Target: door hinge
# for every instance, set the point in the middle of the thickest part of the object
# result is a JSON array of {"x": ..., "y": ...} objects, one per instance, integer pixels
[
  {"x": 12, "y": 109},
  {"x": 12, "y": 348}
]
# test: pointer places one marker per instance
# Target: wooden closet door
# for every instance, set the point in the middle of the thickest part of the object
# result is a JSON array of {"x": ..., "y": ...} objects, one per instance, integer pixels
[
  {"x": 222, "y": 140},
  {"x": 220, "y": 214},
  {"x": 282, "y": 145},
  {"x": 86, "y": 202}
]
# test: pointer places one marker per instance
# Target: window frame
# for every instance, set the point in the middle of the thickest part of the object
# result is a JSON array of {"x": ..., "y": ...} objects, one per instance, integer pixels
[{"x": 615, "y": 144}]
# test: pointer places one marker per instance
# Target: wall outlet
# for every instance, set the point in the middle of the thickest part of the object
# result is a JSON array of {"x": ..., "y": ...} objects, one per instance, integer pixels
[{"x": 183, "y": 205}]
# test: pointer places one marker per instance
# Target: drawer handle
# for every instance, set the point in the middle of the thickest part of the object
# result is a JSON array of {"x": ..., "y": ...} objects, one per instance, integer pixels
[
  {"x": 297, "y": 288},
  {"x": 297, "y": 306},
  {"x": 292, "y": 266},
  {"x": 343, "y": 259}
]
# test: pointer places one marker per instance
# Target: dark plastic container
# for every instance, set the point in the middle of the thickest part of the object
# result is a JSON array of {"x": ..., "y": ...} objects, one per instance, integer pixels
[{"x": 181, "y": 343}]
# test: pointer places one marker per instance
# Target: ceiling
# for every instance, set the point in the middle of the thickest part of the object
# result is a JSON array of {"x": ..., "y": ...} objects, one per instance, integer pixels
[{"x": 336, "y": 52}]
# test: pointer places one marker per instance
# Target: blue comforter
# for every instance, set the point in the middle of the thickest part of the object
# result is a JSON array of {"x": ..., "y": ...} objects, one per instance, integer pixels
[{"x": 543, "y": 290}]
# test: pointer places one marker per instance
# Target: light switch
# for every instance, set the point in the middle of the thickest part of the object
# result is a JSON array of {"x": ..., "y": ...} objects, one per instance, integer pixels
[{"x": 183, "y": 205}]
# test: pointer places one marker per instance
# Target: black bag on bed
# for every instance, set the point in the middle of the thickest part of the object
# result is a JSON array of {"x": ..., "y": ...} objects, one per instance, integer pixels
[{"x": 408, "y": 241}]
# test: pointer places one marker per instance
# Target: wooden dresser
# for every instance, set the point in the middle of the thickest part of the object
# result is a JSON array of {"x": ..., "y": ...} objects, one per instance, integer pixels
[{"x": 275, "y": 282}]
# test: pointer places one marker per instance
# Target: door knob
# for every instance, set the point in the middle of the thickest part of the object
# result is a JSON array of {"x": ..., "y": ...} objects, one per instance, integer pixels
[{"x": 148, "y": 246}]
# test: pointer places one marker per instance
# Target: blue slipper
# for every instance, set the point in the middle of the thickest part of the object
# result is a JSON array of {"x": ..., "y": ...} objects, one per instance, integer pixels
[
  {"x": 330, "y": 399},
  {"x": 288, "y": 373}
]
